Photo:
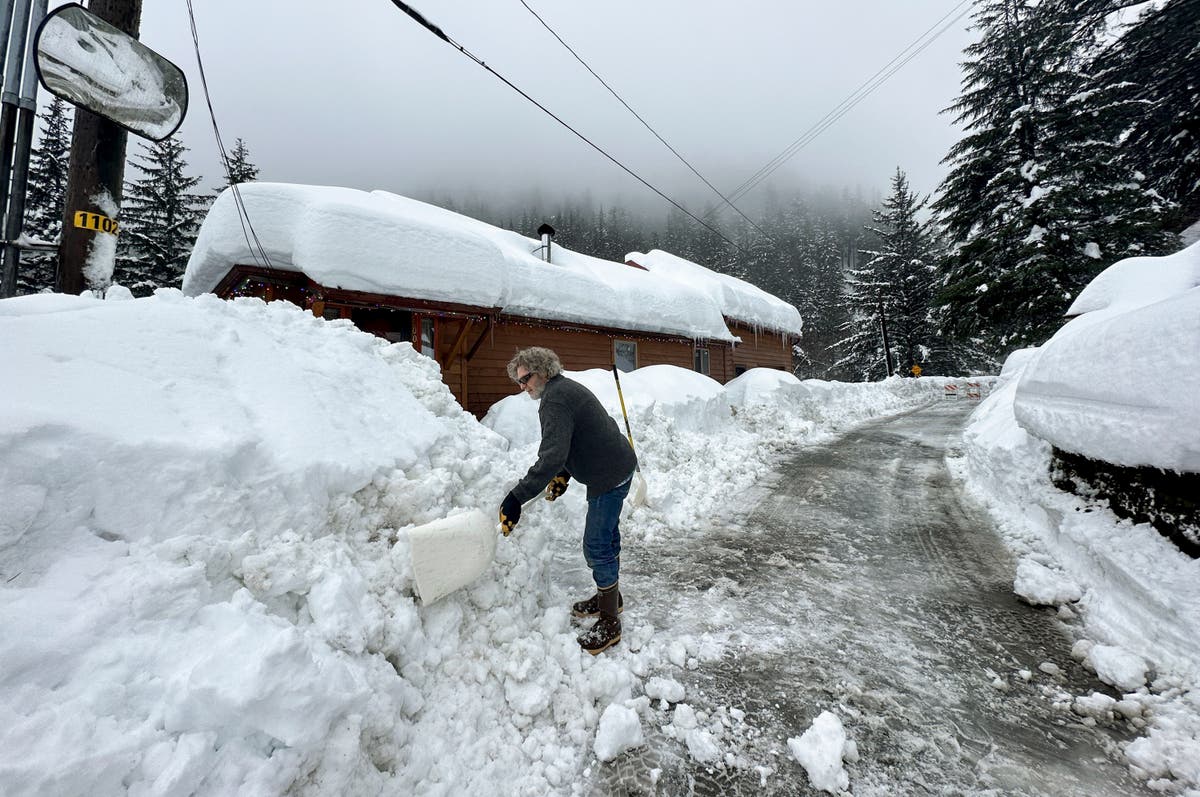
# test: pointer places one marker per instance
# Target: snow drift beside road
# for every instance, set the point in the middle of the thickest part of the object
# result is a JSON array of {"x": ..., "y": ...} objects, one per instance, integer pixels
[
  {"x": 1138, "y": 594},
  {"x": 204, "y": 577},
  {"x": 1119, "y": 383}
]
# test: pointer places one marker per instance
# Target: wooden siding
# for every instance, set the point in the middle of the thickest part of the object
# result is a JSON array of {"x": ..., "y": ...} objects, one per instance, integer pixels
[
  {"x": 758, "y": 349},
  {"x": 579, "y": 350}
]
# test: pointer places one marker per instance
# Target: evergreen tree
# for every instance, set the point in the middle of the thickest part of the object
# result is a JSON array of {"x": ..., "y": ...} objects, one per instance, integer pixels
[
  {"x": 894, "y": 286},
  {"x": 46, "y": 196},
  {"x": 984, "y": 200},
  {"x": 1036, "y": 202},
  {"x": 1098, "y": 206},
  {"x": 160, "y": 218},
  {"x": 677, "y": 237},
  {"x": 1153, "y": 70},
  {"x": 241, "y": 169},
  {"x": 821, "y": 303}
]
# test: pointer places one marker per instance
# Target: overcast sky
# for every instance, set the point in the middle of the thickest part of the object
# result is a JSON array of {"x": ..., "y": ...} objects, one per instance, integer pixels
[{"x": 355, "y": 93}]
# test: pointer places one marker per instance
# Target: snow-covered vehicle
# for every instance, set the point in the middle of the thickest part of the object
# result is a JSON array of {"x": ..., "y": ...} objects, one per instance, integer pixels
[{"x": 1115, "y": 390}]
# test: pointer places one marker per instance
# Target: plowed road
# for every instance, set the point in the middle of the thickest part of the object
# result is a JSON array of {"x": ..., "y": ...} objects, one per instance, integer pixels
[{"x": 861, "y": 581}]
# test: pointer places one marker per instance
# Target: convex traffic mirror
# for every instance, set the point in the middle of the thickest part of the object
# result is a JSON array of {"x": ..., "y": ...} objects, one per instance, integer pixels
[{"x": 88, "y": 62}]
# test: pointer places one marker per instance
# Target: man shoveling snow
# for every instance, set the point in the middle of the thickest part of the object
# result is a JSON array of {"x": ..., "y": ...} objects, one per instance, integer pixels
[{"x": 580, "y": 440}]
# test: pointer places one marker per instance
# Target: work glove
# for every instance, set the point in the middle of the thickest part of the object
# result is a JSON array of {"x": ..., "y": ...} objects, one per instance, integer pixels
[
  {"x": 510, "y": 513},
  {"x": 557, "y": 486}
]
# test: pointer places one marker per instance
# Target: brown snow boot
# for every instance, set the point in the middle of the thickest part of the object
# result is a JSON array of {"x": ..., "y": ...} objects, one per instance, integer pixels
[
  {"x": 591, "y": 606},
  {"x": 607, "y": 630}
]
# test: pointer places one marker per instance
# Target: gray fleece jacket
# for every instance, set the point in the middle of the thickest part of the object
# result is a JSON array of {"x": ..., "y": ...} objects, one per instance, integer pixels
[{"x": 578, "y": 436}]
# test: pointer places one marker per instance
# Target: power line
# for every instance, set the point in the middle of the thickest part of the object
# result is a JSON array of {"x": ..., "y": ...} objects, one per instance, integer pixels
[
  {"x": 854, "y": 98},
  {"x": 645, "y": 124},
  {"x": 436, "y": 31},
  {"x": 256, "y": 248}
]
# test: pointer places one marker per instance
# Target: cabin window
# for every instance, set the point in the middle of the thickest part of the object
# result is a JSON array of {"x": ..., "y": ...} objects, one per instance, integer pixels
[
  {"x": 269, "y": 290},
  {"x": 390, "y": 324},
  {"x": 738, "y": 370},
  {"x": 427, "y": 339},
  {"x": 701, "y": 360},
  {"x": 330, "y": 313},
  {"x": 625, "y": 354}
]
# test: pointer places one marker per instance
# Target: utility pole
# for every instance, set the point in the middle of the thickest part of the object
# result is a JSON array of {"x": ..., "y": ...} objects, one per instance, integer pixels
[
  {"x": 19, "y": 100},
  {"x": 96, "y": 176}
]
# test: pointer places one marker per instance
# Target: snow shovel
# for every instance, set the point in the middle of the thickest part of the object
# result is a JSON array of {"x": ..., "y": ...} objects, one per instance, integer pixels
[
  {"x": 637, "y": 491},
  {"x": 451, "y": 553}
]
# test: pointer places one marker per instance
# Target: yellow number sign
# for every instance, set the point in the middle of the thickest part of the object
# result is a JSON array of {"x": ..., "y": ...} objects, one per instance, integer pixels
[{"x": 95, "y": 221}]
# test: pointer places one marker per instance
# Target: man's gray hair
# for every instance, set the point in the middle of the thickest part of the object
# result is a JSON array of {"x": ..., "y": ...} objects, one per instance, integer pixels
[{"x": 536, "y": 359}]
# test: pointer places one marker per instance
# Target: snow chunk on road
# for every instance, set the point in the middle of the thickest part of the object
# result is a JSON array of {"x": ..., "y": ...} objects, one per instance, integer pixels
[
  {"x": 685, "y": 717},
  {"x": 1174, "y": 754},
  {"x": 702, "y": 746},
  {"x": 1096, "y": 705},
  {"x": 820, "y": 750},
  {"x": 620, "y": 730},
  {"x": 667, "y": 689},
  {"x": 1118, "y": 667},
  {"x": 1041, "y": 586}
]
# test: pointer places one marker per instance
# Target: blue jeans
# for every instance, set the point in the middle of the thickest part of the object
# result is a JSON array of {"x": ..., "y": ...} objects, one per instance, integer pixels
[{"x": 602, "y": 535}]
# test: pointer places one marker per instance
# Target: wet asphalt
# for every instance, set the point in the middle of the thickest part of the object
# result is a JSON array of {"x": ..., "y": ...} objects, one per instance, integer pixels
[{"x": 859, "y": 579}]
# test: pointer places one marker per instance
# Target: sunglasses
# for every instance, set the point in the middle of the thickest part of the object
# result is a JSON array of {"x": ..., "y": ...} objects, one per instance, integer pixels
[{"x": 524, "y": 380}]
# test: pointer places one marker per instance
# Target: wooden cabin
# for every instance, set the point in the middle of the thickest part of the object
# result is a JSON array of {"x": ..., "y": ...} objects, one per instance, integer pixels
[{"x": 473, "y": 342}]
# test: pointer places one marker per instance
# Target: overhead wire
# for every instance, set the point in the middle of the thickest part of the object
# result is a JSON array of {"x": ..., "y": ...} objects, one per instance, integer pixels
[
  {"x": 645, "y": 124},
  {"x": 436, "y": 31},
  {"x": 847, "y": 104},
  {"x": 257, "y": 250},
  {"x": 853, "y": 99}
]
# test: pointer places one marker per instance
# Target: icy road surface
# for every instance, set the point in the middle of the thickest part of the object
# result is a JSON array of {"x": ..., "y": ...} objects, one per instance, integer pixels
[{"x": 861, "y": 582}]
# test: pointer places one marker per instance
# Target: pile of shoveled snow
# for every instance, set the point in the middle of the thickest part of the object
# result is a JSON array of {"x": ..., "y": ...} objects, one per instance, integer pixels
[{"x": 205, "y": 585}]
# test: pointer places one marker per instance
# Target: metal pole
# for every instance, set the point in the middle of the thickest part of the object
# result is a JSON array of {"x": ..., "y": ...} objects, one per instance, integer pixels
[
  {"x": 18, "y": 25},
  {"x": 6, "y": 122},
  {"x": 26, "y": 113},
  {"x": 5, "y": 27}
]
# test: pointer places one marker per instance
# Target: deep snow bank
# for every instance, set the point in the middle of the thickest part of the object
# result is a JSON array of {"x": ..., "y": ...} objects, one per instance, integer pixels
[
  {"x": 199, "y": 594},
  {"x": 1139, "y": 595},
  {"x": 1119, "y": 382},
  {"x": 205, "y": 582}
]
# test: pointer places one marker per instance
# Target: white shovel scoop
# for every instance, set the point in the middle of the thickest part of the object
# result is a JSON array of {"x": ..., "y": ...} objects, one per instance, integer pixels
[{"x": 451, "y": 553}]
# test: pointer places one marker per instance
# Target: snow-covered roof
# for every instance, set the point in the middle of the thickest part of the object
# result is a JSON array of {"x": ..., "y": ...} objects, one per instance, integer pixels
[
  {"x": 380, "y": 242},
  {"x": 1119, "y": 382},
  {"x": 738, "y": 299}
]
